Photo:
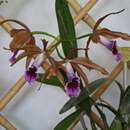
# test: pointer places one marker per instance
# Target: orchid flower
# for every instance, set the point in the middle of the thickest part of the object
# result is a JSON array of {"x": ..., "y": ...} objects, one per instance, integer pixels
[
  {"x": 72, "y": 87},
  {"x": 104, "y": 32},
  {"x": 112, "y": 46},
  {"x": 31, "y": 72},
  {"x": 24, "y": 41},
  {"x": 73, "y": 78}
]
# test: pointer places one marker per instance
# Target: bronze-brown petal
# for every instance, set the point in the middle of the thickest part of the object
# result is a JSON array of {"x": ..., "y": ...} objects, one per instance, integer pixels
[
  {"x": 89, "y": 64},
  {"x": 113, "y": 34},
  {"x": 21, "y": 38},
  {"x": 54, "y": 69}
]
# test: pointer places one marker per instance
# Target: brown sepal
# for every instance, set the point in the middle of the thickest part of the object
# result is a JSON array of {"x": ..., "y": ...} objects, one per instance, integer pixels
[
  {"x": 21, "y": 38},
  {"x": 89, "y": 64}
]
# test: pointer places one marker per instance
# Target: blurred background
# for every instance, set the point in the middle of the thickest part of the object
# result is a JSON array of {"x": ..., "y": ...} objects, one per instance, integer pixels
[{"x": 32, "y": 109}]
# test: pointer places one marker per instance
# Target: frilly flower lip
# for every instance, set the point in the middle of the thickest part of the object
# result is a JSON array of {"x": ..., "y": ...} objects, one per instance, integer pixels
[
  {"x": 112, "y": 46},
  {"x": 30, "y": 74},
  {"x": 72, "y": 87}
]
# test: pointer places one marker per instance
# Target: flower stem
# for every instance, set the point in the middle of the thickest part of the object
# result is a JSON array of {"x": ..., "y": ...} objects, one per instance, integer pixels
[
  {"x": 56, "y": 38},
  {"x": 59, "y": 54},
  {"x": 45, "y": 33},
  {"x": 83, "y": 36}
]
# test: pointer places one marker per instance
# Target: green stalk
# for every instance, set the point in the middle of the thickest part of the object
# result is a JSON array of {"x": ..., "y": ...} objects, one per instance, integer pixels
[
  {"x": 58, "y": 40},
  {"x": 45, "y": 33}
]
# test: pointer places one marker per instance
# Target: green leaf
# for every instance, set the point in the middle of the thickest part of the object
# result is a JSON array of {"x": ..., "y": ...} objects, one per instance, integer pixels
[
  {"x": 52, "y": 81},
  {"x": 74, "y": 101},
  {"x": 125, "y": 102},
  {"x": 65, "y": 123},
  {"x": 66, "y": 27},
  {"x": 125, "y": 105},
  {"x": 103, "y": 116},
  {"x": 121, "y": 90},
  {"x": 115, "y": 112},
  {"x": 116, "y": 125},
  {"x": 85, "y": 106},
  {"x": 96, "y": 84},
  {"x": 93, "y": 126}
]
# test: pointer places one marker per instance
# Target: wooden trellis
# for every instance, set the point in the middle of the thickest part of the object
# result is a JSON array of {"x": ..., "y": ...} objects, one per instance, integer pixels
[{"x": 81, "y": 15}]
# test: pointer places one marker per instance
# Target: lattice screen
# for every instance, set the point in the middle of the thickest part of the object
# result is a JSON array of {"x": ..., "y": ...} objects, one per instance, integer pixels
[{"x": 81, "y": 15}]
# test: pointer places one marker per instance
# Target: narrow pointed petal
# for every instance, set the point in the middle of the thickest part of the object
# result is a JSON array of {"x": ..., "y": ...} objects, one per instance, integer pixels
[
  {"x": 89, "y": 64},
  {"x": 113, "y": 34}
]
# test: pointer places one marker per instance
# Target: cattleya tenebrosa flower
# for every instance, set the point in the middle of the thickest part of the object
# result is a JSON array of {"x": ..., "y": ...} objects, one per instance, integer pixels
[
  {"x": 31, "y": 72},
  {"x": 22, "y": 41},
  {"x": 72, "y": 87},
  {"x": 73, "y": 80},
  {"x": 112, "y": 35},
  {"x": 112, "y": 46}
]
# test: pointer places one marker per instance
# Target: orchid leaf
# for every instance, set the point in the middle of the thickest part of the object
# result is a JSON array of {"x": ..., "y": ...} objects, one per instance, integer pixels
[
  {"x": 125, "y": 105},
  {"x": 116, "y": 125},
  {"x": 66, "y": 123},
  {"x": 66, "y": 28},
  {"x": 121, "y": 90},
  {"x": 52, "y": 81},
  {"x": 85, "y": 105},
  {"x": 93, "y": 125},
  {"x": 103, "y": 116},
  {"x": 115, "y": 112}
]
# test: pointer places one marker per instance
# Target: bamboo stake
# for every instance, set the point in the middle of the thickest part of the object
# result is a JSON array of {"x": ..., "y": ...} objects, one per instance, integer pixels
[
  {"x": 111, "y": 78},
  {"x": 6, "y": 26},
  {"x": 6, "y": 124},
  {"x": 125, "y": 76},
  {"x": 12, "y": 92},
  {"x": 87, "y": 18},
  {"x": 84, "y": 10}
]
